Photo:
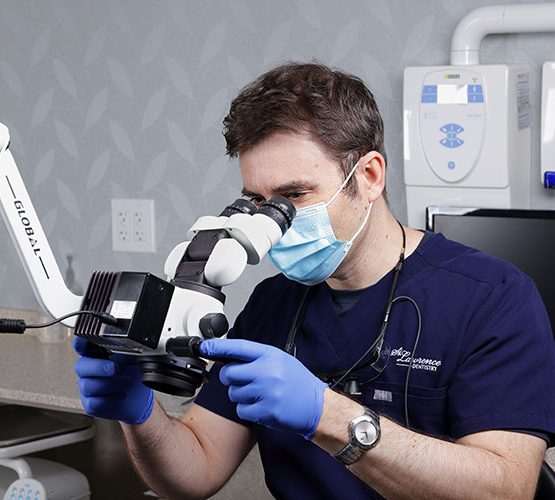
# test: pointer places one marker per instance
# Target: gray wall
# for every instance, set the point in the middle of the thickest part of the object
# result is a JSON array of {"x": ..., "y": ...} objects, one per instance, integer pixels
[{"x": 124, "y": 98}]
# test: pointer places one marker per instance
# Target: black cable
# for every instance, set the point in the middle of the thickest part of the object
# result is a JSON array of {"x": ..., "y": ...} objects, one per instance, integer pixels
[
  {"x": 376, "y": 346},
  {"x": 413, "y": 352},
  {"x": 8, "y": 325},
  {"x": 290, "y": 346},
  {"x": 358, "y": 362}
]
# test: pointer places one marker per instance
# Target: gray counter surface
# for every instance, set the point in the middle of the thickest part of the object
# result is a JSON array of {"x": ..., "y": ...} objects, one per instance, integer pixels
[{"x": 35, "y": 373}]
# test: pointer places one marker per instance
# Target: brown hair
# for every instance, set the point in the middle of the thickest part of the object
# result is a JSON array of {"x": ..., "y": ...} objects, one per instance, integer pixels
[{"x": 334, "y": 108}]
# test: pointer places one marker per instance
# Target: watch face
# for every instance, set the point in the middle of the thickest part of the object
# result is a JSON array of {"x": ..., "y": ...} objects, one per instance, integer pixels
[{"x": 365, "y": 432}]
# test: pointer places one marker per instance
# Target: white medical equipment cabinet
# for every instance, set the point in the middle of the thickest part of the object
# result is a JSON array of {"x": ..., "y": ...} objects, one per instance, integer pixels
[
  {"x": 547, "y": 152},
  {"x": 466, "y": 129},
  {"x": 467, "y": 137}
]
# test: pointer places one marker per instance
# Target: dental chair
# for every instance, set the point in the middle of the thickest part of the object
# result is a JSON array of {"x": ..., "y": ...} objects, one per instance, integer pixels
[{"x": 25, "y": 430}]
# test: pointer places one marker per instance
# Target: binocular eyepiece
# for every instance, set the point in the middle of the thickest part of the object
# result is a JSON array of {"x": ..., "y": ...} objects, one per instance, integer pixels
[{"x": 277, "y": 208}]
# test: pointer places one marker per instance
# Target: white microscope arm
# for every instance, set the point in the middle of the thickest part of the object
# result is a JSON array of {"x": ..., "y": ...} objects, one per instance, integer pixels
[{"x": 30, "y": 240}]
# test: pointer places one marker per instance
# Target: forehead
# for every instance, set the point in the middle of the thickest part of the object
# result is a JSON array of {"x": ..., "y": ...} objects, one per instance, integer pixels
[{"x": 286, "y": 157}]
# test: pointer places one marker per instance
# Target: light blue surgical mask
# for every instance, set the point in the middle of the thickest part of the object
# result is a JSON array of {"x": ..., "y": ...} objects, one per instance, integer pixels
[{"x": 309, "y": 252}]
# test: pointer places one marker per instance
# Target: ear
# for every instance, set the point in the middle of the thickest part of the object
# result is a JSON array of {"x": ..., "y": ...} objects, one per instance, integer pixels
[{"x": 371, "y": 175}]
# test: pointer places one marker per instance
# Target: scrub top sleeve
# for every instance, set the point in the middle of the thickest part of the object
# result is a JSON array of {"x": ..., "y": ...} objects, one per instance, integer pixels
[
  {"x": 506, "y": 367},
  {"x": 214, "y": 397}
]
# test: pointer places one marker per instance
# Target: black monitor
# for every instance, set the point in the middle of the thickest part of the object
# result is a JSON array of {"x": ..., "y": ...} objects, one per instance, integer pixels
[{"x": 526, "y": 238}]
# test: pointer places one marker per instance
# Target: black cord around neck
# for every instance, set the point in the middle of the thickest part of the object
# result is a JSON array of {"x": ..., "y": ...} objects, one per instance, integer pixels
[
  {"x": 373, "y": 353},
  {"x": 375, "y": 348}
]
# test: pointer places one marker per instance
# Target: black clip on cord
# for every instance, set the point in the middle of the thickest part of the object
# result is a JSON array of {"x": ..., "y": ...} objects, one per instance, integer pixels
[{"x": 8, "y": 325}]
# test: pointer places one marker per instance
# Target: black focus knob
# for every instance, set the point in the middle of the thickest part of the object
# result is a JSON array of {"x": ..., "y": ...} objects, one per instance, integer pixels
[{"x": 213, "y": 325}]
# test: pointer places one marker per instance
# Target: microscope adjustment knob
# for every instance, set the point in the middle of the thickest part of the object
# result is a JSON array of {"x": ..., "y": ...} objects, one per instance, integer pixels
[{"x": 213, "y": 325}]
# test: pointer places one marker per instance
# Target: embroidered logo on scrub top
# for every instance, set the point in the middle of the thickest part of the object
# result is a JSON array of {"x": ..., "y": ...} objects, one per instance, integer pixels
[{"x": 404, "y": 358}]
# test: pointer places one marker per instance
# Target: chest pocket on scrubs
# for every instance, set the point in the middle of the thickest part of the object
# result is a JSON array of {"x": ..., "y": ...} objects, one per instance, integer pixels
[{"x": 427, "y": 407}]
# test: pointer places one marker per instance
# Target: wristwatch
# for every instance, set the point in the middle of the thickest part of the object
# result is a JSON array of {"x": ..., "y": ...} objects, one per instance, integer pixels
[{"x": 364, "y": 434}]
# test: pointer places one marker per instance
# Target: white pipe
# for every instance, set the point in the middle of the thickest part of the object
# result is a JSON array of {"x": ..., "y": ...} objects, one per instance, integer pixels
[{"x": 520, "y": 18}]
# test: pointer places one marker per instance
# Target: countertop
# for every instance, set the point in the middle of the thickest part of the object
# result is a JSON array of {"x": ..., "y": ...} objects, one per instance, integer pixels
[
  {"x": 39, "y": 374},
  {"x": 35, "y": 373}
]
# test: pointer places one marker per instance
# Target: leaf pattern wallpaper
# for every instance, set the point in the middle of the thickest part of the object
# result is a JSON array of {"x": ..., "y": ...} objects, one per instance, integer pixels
[{"x": 125, "y": 98}]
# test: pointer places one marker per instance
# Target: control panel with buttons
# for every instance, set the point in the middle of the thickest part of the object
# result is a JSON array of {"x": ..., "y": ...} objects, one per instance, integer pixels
[
  {"x": 25, "y": 489},
  {"x": 451, "y": 119},
  {"x": 451, "y": 139}
]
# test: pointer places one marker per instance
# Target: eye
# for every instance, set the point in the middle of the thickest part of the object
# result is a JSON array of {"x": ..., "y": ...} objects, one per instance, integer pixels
[
  {"x": 257, "y": 200},
  {"x": 294, "y": 196}
]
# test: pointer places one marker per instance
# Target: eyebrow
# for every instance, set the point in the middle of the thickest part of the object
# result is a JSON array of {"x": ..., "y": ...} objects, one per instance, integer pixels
[{"x": 284, "y": 188}]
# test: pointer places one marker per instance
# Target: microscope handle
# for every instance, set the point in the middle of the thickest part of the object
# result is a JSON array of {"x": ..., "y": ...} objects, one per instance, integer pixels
[{"x": 190, "y": 347}]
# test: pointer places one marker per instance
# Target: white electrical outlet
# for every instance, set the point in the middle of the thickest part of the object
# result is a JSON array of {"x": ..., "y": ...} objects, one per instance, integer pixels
[{"x": 133, "y": 225}]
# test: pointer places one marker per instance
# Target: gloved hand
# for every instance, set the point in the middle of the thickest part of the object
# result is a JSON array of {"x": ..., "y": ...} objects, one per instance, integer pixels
[
  {"x": 270, "y": 387},
  {"x": 111, "y": 386}
]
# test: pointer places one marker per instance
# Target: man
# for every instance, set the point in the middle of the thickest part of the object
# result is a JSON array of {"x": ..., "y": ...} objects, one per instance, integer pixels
[{"x": 415, "y": 367}]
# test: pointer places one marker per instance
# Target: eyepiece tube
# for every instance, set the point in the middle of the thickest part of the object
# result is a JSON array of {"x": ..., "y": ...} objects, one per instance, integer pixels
[
  {"x": 239, "y": 206},
  {"x": 280, "y": 210}
]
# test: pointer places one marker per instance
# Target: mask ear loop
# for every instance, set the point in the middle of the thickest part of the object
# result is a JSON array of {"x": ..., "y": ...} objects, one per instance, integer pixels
[
  {"x": 363, "y": 222},
  {"x": 351, "y": 173},
  {"x": 353, "y": 170}
]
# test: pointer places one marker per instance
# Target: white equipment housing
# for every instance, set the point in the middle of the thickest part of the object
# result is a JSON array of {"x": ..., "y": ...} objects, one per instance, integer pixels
[
  {"x": 548, "y": 126},
  {"x": 186, "y": 310},
  {"x": 467, "y": 125},
  {"x": 466, "y": 137}
]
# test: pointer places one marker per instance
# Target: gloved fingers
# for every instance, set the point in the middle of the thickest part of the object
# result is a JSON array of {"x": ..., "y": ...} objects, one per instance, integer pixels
[
  {"x": 240, "y": 373},
  {"x": 88, "y": 349},
  {"x": 245, "y": 394},
  {"x": 80, "y": 346},
  {"x": 131, "y": 371},
  {"x": 93, "y": 367},
  {"x": 234, "y": 349},
  {"x": 94, "y": 386},
  {"x": 252, "y": 412},
  {"x": 98, "y": 405}
]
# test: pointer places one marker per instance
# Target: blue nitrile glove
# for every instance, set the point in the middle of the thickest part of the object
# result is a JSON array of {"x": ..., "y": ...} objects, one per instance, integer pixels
[
  {"x": 111, "y": 386},
  {"x": 270, "y": 387}
]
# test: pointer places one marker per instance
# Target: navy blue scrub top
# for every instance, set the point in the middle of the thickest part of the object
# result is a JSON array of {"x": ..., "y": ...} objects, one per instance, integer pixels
[{"x": 485, "y": 358}]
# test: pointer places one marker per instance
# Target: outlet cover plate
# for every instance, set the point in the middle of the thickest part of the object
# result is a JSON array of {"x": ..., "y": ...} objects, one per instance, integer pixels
[{"x": 133, "y": 225}]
